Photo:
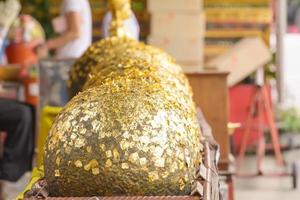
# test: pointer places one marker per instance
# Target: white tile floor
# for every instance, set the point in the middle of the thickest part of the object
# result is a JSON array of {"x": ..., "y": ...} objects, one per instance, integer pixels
[
  {"x": 268, "y": 188},
  {"x": 11, "y": 190}
]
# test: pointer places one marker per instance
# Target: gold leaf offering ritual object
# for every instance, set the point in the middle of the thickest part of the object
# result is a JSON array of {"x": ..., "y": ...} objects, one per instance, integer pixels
[{"x": 132, "y": 128}]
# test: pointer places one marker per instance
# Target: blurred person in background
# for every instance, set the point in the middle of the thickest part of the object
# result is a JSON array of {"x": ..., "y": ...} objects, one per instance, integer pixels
[
  {"x": 17, "y": 120},
  {"x": 2, "y": 53},
  {"x": 9, "y": 11},
  {"x": 75, "y": 31}
]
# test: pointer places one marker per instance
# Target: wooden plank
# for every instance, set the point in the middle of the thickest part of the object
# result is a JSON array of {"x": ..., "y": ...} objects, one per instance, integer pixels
[
  {"x": 211, "y": 95},
  {"x": 175, "y": 5},
  {"x": 242, "y": 59},
  {"x": 197, "y": 189},
  {"x": 202, "y": 173}
]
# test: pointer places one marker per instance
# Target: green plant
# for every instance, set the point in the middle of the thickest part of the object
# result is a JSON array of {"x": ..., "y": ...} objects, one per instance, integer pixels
[
  {"x": 290, "y": 120},
  {"x": 270, "y": 70}
]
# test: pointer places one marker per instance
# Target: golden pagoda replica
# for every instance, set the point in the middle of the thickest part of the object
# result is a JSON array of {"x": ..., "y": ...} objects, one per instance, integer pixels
[{"x": 131, "y": 130}]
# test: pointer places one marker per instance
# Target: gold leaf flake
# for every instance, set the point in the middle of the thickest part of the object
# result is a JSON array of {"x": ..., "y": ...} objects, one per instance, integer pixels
[
  {"x": 108, "y": 154},
  {"x": 181, "y": 184},
  {"x": 126, "y": 134},
  {"x": 160, "y": 162},
  {"x": 164, "y": 174},
  {"x": 143, "y": 161},
  {"x": 108, "y": 163},
  {"x": 145, "y": 139},
  {"x": 116, "y": 154},
  {"x": 124, "y": 145},
  {"x": 153, "y": 176},
  {"x": 89, "y": 149},
  {"x": 169, "y": 152},
  {"x": 133, "y": 157},
  {"x": 102, "y": 147},
  {"x": 181, "y": 165},
  {"x": 73, "y": 136},
  {"x": 174, "y": 167},
  {"x": 78, "y": 163},
  {"x": 57, "y": 173},
  {"x": 95, "y": 171},
  {"x": 79, "y": 142},
  {"x": 68, "y": 149},
  {"x": 57, "y": 161},
  {"x": 145, "y": 149},
  {"x": 87, "y": 167},
  {"x": 158, "y": 152},
  {"x": 95, "y": 125},
  {"x": 124, "y": 166},
  {"x": 94, "y": 163}
]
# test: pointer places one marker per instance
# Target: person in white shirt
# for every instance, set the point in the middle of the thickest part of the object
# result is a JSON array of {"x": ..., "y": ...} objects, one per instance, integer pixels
[
  {"x": 77, "y": 37},
  {"x": 131, "y": 26}
]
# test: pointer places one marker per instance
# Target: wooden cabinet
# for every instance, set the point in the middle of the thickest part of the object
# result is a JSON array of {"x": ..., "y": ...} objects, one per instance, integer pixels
[{"x": 211, "y": 95}]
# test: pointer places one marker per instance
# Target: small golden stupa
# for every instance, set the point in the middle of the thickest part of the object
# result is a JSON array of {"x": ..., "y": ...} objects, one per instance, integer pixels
[{"x": 132, "y": 128}]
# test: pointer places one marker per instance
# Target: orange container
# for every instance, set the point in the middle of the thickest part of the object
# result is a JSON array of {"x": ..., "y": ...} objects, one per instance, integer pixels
[
  {"x": 31, "y": 90},
  {"x": 21, "y": 53}
]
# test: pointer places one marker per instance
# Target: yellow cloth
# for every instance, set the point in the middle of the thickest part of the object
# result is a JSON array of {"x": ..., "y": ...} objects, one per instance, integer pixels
[
  {"x": 47, "y": 117},
  {"x": 37, "y": 174}
]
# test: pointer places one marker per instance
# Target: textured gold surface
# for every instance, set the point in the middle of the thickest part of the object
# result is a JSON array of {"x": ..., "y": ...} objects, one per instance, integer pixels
[
  {"x": 120, "y": 12},
  {"x": 131, "y": 131}
]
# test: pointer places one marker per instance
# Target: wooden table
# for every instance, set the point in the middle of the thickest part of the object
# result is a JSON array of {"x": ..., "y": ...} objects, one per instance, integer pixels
[
  {"x": 211, "y": 95},
  {"x": 10, "y": 73}
]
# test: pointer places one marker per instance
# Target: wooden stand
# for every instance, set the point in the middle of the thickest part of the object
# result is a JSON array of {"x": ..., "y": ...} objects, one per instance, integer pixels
[
  {"x": 211, "y": 96},
  {"x": 261, "y": 107}
]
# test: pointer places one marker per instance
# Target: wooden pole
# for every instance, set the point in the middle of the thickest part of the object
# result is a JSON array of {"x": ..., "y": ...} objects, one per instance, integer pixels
[{"x": 281, "y": 22}]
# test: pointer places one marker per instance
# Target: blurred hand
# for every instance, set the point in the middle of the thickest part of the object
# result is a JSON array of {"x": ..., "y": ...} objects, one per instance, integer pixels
[{"x": 42, "y": 51}]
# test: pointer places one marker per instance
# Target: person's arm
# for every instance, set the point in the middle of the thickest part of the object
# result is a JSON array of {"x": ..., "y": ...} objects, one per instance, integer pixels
[{"x": 73, "y": 32}]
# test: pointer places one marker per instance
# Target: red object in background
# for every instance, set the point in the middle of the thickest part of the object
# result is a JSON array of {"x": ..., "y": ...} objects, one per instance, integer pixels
[
  {"x": 31, "y": 90},
  {"x": 240, "y": 97},
  {"x": 21, "y": 53},
  {"x": 293, "y": 29}
]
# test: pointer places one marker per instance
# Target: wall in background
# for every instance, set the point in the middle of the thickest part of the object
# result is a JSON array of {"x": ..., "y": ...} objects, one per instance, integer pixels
[{"x": 45, "y": 10}]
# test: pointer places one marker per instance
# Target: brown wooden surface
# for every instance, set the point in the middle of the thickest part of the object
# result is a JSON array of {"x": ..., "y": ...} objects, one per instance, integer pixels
[
  {"x": 211, "y": 95},
  {"x": 9, "y": 72}
]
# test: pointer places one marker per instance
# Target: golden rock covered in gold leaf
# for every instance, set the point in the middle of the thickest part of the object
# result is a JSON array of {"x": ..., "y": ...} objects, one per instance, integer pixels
[{"x": 132, "y": 130}]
